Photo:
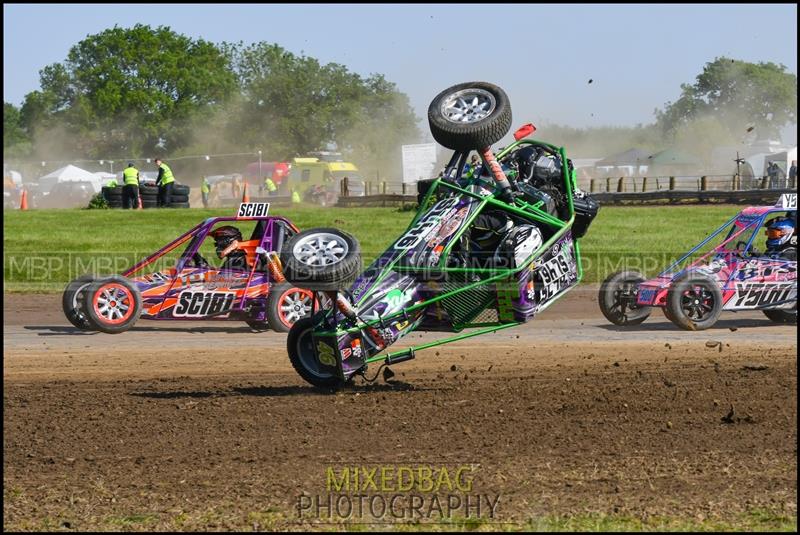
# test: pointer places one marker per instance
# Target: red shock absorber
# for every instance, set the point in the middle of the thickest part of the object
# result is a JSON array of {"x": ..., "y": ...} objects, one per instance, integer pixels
[
  {"x": 494, "y": 166},
  {"x": 349, "y": 311}
]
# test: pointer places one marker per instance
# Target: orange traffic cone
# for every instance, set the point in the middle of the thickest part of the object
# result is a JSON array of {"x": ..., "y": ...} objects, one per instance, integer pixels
[
  {"x": 245, "y": 195},
  {"x": 23, "y": 200}
]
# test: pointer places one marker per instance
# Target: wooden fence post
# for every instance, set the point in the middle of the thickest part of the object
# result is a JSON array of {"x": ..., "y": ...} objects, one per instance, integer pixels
[
  {"x": 621, "y": 184},
  {"x": 591, "y": 186},
  {"x": 671, "y": 183},
  {"x": 735, "y": 183},
  {"x": 703, "y": 183},
  {"x": 644, "y": 184},
  {"x": 608, "y": 183},
  {"x": 384, "y": 187},
  {"x": 404, "y": 188}
]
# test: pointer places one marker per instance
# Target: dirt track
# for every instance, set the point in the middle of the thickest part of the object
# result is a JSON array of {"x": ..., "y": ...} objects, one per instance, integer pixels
[{"x": 193, "y": 425}]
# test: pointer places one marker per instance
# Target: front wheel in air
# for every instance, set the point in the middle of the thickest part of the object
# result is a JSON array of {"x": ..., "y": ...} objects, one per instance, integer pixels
[
  {"x": 321, "y": 259},
  {"x": 694, "y": 302},
  {"x": 112, "y": 305},
  {"x": 304, "y": 359},
  {"x": 618, "y": 299},
  {"x": 470, "y": 116}
]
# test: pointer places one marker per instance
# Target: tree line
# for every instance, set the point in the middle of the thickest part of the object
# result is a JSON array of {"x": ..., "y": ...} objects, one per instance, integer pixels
[{"x": 143, "y": 91}]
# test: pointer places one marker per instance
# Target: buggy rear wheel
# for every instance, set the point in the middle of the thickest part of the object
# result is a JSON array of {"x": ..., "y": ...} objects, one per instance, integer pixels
[
  {"x": 300, "y": 346},
  {"x": 618, "y": 299},
  {"x": 694, "y": 302},
  {"x": 788, "y": 317}
]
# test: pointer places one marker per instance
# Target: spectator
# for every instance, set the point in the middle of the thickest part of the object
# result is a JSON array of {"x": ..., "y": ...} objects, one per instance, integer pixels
[
  {"x": 272, "y": 189},
  {"x": 793, "y": 174},
  {"x": 205, "y": 189},
  {"x": 164, "y": 182},
  {"x": 130, "y": 191}
]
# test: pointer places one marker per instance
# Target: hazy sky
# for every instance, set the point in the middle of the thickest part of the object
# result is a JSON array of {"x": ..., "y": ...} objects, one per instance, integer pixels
[{"x": 542, "y": 55}]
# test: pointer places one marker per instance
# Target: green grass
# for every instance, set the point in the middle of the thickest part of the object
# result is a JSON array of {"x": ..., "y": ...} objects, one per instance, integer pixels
[{"x": 44, "y": 249}]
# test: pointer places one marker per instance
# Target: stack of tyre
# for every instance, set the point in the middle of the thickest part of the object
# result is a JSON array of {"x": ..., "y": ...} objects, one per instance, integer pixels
[
  {"x": 149, "y": 195},
  {"x": 113, "y": 196},
  {"x": 179, "y": 198}
]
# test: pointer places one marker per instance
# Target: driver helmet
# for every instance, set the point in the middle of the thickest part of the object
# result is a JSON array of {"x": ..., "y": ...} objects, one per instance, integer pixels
[
  {"x": 779, "y": 232},
  {"x": 226, "y": 239}
]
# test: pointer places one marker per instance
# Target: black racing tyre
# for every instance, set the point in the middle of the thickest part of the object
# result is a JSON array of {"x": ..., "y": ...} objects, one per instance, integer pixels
[
  {"x": 469, "y": 116},
  {"x": 617, "y": 299},
  {"x": 286, "y": 305},
  {"x": 787, "y": 317},
  {"x": 303, "y": 356},
  {"x": 146, "y": 203},
  {"x": 179, "y": 205},
  {"x": 180, "y": 189},
  {"x": 179, "y": 198},
  {"x": 115, "y": 191},
  {"x": 149, "y": 196},
  {"x": 258, "y": 326},
  {"x": 146, "y": 189},
  {"x": 114, "y": 204},
  {"x": 321, "y": 259},
  {"x": 694, "y": 302},
  {"x": 72, "y": 302},
  {"x": 112, "y": 304},
  {"x": 423, "y": 186}
]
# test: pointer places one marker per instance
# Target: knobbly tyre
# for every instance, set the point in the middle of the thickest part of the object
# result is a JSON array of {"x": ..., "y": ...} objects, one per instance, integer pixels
[
  {"x": 732, "y": 276},
  {"x": 248, "y": 286},
  {"x": 488, "y": 249}
]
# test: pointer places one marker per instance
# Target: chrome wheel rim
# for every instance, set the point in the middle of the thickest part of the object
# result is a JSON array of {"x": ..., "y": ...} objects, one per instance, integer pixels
[
  {"x": 295, "y": 306},
  {"x": 111, "y": 305},
  {"x": 323, "y": 249},
  {"x": 468, "y": 106}
]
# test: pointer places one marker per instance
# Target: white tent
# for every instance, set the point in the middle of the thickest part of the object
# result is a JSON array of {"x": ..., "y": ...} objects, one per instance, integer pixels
[{"x": 69, "y": 173}]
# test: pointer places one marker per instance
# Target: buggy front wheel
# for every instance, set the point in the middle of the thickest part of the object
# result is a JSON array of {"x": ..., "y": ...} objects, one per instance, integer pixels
[
  {"x": 72, "y": 302},
  {"x": 618, "y": 299},
  {"x": 694, "y": 302},
  {"x": 112, "y": 305},
  {"x": 303, "y": 356}
]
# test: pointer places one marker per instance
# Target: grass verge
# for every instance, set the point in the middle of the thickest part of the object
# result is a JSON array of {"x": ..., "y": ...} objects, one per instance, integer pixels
[{"x": 45, "y": 249}]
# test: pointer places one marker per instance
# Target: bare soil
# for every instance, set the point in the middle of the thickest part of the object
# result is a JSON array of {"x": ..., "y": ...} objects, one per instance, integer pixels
[{"x": 205, "y": 426}]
